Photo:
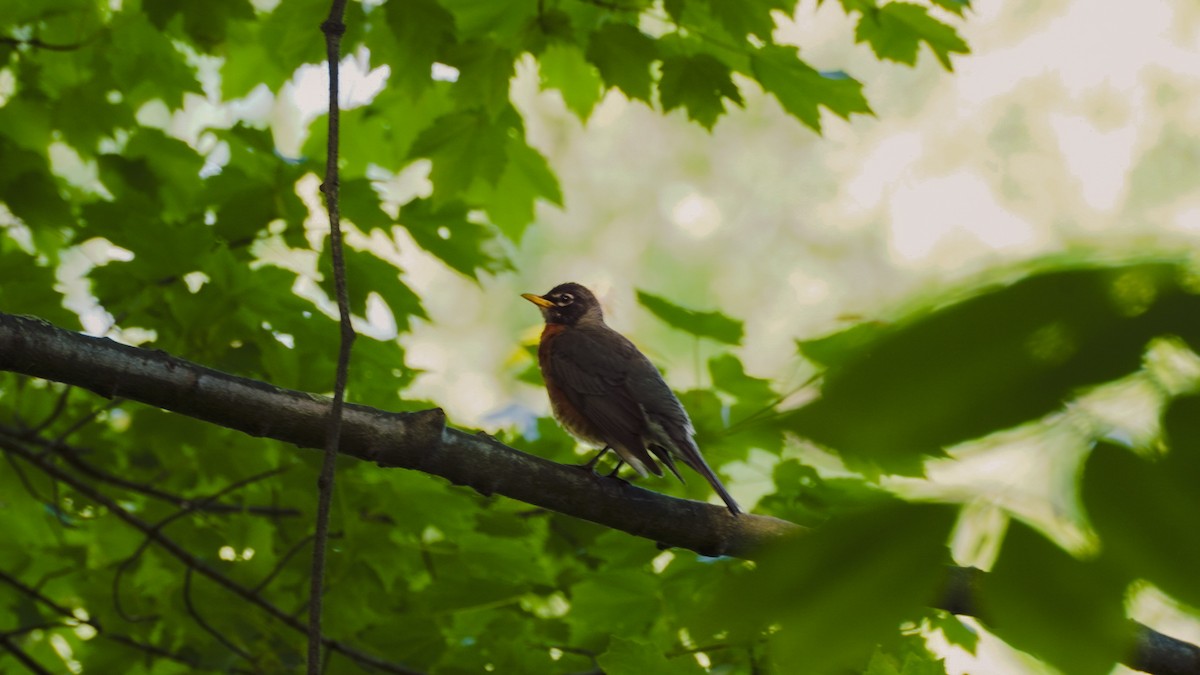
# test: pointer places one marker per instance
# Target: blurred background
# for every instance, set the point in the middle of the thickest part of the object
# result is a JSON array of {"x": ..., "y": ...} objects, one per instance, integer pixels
[{"x": 1072, "y": 126}]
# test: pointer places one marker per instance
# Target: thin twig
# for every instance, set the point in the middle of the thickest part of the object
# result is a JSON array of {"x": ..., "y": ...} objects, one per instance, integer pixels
[
  {"x": 25, "y": 481},
  {"x": 188, "y": 559},
  {"x": 127, "y": 563},
  {"x": 220, "y": 637},
  {"x": 74, "y": 456},
  {"x": 17, "y": 632},
  {"x": 39, "y": 44},
  {"x": 59, "y": 406},
  {"x": 333, "y": 28},
  {"x": 281, "y": 564},
  {"x": 87, "y": 419},
  {"x": 115, "y": 637},
  {"x": 20, "y": 654},
  {"x": 577, "y": 651}
]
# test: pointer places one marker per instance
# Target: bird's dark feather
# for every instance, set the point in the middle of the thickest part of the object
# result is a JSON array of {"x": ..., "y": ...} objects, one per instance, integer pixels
[{"x": 610, "y": 393}]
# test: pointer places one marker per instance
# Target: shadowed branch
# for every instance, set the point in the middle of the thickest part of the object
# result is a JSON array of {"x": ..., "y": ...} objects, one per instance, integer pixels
[{"x": 422, "y": 442}]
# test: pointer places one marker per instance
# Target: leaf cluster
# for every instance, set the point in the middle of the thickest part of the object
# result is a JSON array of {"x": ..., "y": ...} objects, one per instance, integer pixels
[{"x": 216, "y": 256}]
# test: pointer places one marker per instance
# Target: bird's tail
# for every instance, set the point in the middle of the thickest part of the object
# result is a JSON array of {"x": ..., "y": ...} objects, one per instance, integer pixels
[{"x": 690, "y": 454}]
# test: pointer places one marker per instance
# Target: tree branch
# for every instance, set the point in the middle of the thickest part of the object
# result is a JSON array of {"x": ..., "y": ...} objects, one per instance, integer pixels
[
  {"x": 420, "y": 441},
  {"x": 35, "y": 594},
  {"x": 189, "y": 560},
  {"x": 10, "y": 645},
  {"x": 74, "y": 456},
  {"x": 333, "y": 28}
]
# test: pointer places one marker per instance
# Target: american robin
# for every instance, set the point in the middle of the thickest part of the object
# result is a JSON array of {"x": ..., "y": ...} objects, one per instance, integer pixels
[{"x": 606, "y": 392}]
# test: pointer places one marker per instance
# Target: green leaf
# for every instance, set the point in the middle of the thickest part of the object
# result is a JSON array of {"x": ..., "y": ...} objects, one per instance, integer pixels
[
  {"x": 612, "y": 602},
  {"x": 801, "y": 90},
  {"x": 836, "y": 349},
  {"x": 744, "y": 419},
  {"x": 991, "y": 362},
  {"x": 956, "y": 6},
  {"x": 361, "y": 205},
  {"x": 445, "y": 231},
  {"x": 485, "y": 69},
  {"x": 1135, "y": 504},
  {"x": 741, "y": 18},
  {"x": 292, "y": 33},
  {"x": 714, "y": 325},
  {"x": 381, "y": 133},
  {"x": 633, "y": 657},
  {"x": 700, "y": 83},
  {"x": 146, "y": 65},
  {"x": 803, "y": 496},
  {"x": 1067, "y": 611},
  {"x": 366, "y": 273},
  {"x": 623, "y": 55},
  {"x": 249, "y": 65},
  {"x": 28, "y": 288},
  {"x": 246, "y": 205},
  {"x": 463, "y": 146},
  {"x": 30, "y": 191},
  {"x": 896, "y": 30},
  {"x": 563, "y": 67},
  {"x": 870, "y": 570},
  {"x": 24, "y": 125},
  {"x": 85, "y": 115},
  {"x": 730, "y": 376},
  {"x": 500, "y": 19},
  {"x": 421, "y": 33},
  {"x": 206, "y": 22},
  {"x": 527, "y": 178},
  {"x": 911, "y": 660},
  {"x": 956, "y": 631}
]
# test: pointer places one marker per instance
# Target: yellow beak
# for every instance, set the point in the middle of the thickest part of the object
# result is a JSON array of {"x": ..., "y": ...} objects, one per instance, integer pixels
[{"x": 537, "y": 300}]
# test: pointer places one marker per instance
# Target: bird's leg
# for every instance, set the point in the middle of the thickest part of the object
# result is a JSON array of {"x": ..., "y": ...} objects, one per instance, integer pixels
[
  {"x": 591, "y": 463},
  {"x": 613, "y": 473}
]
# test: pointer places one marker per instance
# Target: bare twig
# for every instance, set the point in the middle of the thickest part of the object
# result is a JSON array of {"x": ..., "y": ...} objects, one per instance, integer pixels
[
  {"x": 218, "y": 635},
  {"x": 59, "y": 406},
  {"x": 26, "y": 660},
  {"x": 68, "y": 614},
  {"x": 39, "y": 44},
  {"x": 25, "y": 482},
  {"x": 333, "y": 28},
  {"x": 188, "y": 559},
  {"x": 17, "y": 632},
  {"x": 74, "y": 456},
  {"x": 127, "y": 563},
  {"x": 87, "y": 419}
]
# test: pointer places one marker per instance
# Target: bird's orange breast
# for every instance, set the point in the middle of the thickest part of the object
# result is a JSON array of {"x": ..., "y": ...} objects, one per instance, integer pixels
[{"x": 570, "y": 417}]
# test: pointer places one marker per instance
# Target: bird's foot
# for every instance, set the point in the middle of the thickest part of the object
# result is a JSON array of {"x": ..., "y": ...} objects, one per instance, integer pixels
[
  {"x": 613, "y": 474},
  {"x": 590, "y": 465}
]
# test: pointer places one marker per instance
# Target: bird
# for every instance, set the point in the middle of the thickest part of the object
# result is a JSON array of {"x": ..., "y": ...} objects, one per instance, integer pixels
[{"x": 605, "y": 392}]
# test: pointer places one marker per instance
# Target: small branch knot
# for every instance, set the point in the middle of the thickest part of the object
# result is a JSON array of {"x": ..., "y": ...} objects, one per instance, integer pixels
[{"x": 331, "y": 27}]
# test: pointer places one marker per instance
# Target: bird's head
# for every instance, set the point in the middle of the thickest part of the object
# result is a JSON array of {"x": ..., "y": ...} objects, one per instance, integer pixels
[{"x": 567, "y": 304}]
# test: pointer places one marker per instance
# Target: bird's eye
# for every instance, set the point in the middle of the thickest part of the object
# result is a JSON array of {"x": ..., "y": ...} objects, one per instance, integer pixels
[{"x": 564, "y": 299}]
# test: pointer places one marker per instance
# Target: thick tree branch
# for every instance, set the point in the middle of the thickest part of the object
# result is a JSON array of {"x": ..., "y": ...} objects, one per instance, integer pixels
[
  {"x": 421, "y": 441},
  {"x": 418, "y": 441}
]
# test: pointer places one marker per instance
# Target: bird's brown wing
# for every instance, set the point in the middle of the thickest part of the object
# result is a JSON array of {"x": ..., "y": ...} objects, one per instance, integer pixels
[
  {"x": 625, "y": 397},
  {"x": 591, "y": 370},
  {"x": 664, "y": 411}
]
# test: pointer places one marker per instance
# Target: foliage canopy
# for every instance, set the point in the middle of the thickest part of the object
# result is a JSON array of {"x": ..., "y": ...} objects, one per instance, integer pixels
[{"x": 208, "y": 250}]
